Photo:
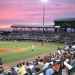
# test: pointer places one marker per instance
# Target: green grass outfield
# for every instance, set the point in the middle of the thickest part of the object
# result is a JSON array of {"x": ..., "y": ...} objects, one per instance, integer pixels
[{"x": 11, "y": 56}]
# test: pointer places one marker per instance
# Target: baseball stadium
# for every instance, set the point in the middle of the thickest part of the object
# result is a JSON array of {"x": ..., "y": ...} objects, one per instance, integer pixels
[{"x": 37, "y": 37}]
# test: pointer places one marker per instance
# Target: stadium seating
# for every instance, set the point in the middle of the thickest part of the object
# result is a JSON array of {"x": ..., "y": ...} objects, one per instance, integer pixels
[{"x": 60, "y": 63}]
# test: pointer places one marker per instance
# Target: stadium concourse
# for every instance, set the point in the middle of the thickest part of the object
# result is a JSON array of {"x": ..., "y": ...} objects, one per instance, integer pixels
[{"x": 61, "y": 62}]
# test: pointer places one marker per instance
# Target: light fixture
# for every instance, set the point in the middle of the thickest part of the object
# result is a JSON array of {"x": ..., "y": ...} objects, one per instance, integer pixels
[{"x": 44, "y": 1}]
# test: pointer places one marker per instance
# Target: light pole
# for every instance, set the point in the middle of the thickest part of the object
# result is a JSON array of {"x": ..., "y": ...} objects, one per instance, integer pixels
[{"x": 44, "y": 2}]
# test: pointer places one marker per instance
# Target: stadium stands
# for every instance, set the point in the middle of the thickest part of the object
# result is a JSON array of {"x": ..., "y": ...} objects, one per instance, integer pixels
[
  {"x": 47, "y": 33},
  {"x": 60, "y": 63}
]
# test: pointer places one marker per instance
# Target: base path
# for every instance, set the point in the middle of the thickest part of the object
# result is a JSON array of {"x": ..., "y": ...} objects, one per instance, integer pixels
[{"x": 5, "y": 50}]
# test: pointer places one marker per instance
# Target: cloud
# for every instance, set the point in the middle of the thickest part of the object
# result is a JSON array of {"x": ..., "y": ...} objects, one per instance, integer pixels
[{"x": 30, "y": 11}]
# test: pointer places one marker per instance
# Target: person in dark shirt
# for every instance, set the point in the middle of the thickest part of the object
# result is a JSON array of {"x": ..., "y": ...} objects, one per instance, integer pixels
[
  {"x": 13, "y": 72},
  {"x": 1, "y": 62}
]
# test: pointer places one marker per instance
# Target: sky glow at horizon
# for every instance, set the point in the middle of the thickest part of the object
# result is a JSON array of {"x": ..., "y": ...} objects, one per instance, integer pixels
[{"x": 30, "y": 11}]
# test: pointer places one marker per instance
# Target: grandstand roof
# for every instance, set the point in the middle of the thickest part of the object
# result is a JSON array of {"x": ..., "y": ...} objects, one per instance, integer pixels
[
  {"x": 27, "y": 26},
  {"x": 66, "y": 19}
]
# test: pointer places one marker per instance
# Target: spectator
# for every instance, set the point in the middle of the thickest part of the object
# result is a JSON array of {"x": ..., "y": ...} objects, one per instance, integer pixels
[
  {"x": 16, "y": 67},
  {"x": 13, "y": 72},
  {"x": 1, "y": 71},
  {"x": 22, "y": 69},
  {"x": 1, "y": 62},
  {"x": 49, "y": 70}
]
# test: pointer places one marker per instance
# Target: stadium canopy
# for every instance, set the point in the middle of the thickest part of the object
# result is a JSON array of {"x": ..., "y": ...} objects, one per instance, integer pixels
[
  {"x": 66, "y": 19},
  {"x": 66, "y": 22},
  {"x": 27, "y": 26}
]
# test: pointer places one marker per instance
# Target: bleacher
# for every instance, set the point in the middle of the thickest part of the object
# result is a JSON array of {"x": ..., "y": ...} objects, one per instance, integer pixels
[{"x": 37, "y": 33}]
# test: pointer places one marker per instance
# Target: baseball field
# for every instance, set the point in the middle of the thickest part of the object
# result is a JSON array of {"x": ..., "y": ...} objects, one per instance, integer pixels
[{"x": 13, "y": 51}]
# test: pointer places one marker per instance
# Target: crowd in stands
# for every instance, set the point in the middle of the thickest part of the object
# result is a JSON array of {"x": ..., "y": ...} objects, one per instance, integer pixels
[{"x": 61, "y": 62}]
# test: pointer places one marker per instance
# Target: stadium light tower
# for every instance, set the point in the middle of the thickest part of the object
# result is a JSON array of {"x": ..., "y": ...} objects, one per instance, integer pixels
[{"x": 44, "y": 2}]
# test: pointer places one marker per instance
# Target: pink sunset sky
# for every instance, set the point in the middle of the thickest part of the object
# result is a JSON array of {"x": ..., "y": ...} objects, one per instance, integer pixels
[{"x": 30, "y": 11}]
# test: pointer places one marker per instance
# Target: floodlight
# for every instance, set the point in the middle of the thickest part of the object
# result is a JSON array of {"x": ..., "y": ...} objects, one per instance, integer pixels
[{"x": 44, "y": 1}]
